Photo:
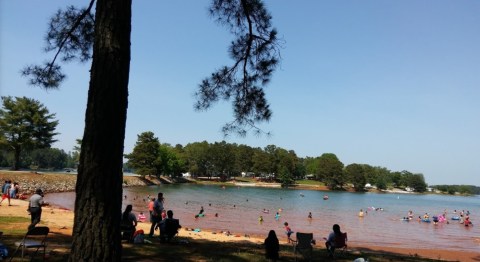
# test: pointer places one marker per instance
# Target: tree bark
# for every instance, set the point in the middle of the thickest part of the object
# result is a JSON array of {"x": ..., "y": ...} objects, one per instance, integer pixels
[{"x": 96, "y": 231}]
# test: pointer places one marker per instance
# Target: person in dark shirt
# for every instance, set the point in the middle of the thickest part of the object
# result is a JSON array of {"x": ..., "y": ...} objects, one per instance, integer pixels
[{"x": 272, "y": 246}]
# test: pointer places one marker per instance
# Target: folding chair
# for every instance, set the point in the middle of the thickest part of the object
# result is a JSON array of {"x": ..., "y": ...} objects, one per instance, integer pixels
[
  {"x": 303, "y": 245},
  {"x": 35, "y": 238},
  {"x": 170, "y": 230},
  {"x": 341, "y": 244}
]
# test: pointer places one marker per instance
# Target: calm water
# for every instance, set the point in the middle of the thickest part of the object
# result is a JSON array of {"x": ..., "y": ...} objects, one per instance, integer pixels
[{"x": 239, "y": 208}]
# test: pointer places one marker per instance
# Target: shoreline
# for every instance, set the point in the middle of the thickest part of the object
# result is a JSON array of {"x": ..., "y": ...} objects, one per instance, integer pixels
[
  {"x": 61, "y": 221},
  {"x": 57, "y": 183}
]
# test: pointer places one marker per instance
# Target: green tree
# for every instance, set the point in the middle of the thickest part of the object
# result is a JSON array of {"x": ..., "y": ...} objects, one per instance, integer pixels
[
  {"x": 105, "y": 37},
  {"x": 356, "y": 175},
  {"x": 223, "y": 155},
  {"x": 76, "y": 152},
  {"x": 417, "y": 182},
  {"x": 244, "y": 158},
  {"x": 382, "y": 177},
  {"x": 311, "y": 165},
  {"x": 261, "y": 162},
  {"x": 145, "y": 155},
  {"x": 169, "y": 163},
  {"x": 331, "y": 171},
  {"x": 49, "y": 158},
  {"x": 285, "y": 177},
  {"x": 25, "y": 124},
  {"x": 396, "y": 178},
  {"x": 198, "y": 157},
  {"x": 286, "y": 161},
  {"x": 300, "y": 170}
]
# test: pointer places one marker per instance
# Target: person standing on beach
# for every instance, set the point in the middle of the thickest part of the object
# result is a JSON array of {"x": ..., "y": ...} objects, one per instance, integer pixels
[
  {"x": 6, "y": 191},
  {"x": 157, "y": 213},
  {"x": 35, "y": 207},
  {"x": 14, "y": 190},
  {"x": 150, "y": 208}
]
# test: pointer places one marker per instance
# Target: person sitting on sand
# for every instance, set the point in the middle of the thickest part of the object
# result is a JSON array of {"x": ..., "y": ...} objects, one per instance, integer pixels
[
  {"x": 129, "y": 223},
  {"x": 272, "y": 246},
  {"x": 330, "y": 241},
  {"x": 169, "y": 227}
]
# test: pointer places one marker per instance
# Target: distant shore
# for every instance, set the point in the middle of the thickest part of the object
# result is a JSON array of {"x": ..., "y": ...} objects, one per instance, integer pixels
[{"x": 56, "y": 182}]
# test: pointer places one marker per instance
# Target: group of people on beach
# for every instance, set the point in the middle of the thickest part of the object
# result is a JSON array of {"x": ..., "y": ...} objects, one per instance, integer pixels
[
  {"x": 336, "y": 239},
  {"x": 10, "y": 191},
  {"x": 159, "y": 218}
]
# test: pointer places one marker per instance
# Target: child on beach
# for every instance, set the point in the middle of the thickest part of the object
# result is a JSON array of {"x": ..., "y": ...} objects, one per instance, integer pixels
[{"x": 288, "y": 231}]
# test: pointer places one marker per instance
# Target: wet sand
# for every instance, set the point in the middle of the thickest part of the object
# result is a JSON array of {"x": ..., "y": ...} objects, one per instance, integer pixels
[{"x": 61, "y": 221}]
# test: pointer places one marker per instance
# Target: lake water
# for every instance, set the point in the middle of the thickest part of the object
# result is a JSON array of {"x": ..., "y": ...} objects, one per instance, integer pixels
[{"x": 239, "y": 208}]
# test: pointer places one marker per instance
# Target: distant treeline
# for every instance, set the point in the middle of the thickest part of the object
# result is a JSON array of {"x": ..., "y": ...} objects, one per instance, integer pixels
[
  {"x": 462, "y": 189},
  {"x": 44, "y": 159},
  {"x": 272, "y": 163}
]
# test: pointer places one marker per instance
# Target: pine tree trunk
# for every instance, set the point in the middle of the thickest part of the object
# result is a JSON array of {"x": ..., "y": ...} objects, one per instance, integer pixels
[{"x": 96, "y": 232}]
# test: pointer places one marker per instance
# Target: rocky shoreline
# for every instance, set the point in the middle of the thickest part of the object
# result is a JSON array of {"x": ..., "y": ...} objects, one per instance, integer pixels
[{"x": 54, "y": 183}]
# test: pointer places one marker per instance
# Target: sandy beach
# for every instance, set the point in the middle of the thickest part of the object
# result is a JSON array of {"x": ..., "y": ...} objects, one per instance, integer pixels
[{"x": 61, "y": 221}]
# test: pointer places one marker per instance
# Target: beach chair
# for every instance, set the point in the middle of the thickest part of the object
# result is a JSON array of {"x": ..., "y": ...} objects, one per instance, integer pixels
[
  {"x": 303, "y": 245},
  {"x": 36, "y": 238},
  {"x": 340, "y": 244}
]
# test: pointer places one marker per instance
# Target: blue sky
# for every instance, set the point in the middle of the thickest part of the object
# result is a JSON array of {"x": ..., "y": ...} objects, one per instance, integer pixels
[{"x": 386, "y": 83}]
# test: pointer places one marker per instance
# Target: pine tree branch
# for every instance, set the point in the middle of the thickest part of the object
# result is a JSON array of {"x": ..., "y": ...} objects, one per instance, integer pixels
[{"x": 69, "y": 34}]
